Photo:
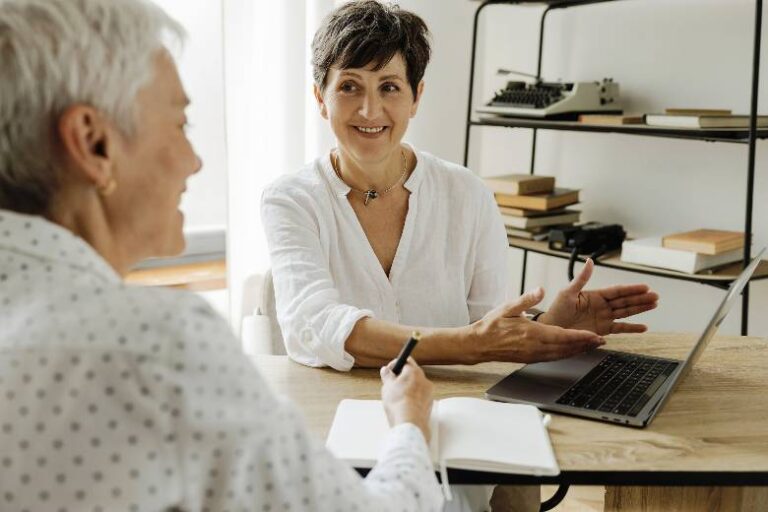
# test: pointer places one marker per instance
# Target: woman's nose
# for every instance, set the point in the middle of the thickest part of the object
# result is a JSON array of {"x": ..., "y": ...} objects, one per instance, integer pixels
[{"x": 371, "y": 107}]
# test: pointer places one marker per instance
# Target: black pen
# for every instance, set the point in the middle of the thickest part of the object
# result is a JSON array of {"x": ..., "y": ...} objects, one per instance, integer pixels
[{"x": 402, "y": 357}]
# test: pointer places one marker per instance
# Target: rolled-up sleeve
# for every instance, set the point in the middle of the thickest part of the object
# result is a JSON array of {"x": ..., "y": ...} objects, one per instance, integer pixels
[
  {"x": 490, "y": 277},
  {"x": 314, "y": 323}
]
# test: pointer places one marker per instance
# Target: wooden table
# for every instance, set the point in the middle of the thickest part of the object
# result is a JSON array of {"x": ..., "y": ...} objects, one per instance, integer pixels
[{"x": 713, "y": 432}]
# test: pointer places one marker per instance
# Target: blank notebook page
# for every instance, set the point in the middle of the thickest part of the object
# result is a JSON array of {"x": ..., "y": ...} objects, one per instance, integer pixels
[
  {"x": 473, "y": 434},
  {"x": 493, "y": 436}
]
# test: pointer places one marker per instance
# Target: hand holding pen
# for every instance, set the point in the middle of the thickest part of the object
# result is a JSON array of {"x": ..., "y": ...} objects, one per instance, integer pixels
[
  {"x": 406, "y": 391},
  {"x": 405, "y": 352}
]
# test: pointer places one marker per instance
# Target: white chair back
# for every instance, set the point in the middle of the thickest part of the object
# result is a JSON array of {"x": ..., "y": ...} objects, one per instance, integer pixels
[{"x": 260, "y": 331}]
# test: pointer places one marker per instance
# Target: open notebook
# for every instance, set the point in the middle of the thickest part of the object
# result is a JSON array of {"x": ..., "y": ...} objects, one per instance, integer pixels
[{"x": 467, "y": 433}]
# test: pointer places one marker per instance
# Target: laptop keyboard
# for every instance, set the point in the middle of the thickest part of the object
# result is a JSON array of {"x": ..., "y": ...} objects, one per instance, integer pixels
[{"x": 619, "y": 384}]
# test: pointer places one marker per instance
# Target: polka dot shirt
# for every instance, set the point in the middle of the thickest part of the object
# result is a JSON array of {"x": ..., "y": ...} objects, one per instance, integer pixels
[{"x": 117, "y": 398}]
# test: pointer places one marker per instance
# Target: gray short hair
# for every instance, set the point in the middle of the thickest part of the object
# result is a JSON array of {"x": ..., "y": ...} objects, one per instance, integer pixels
[{"x": 56, "y": 53}]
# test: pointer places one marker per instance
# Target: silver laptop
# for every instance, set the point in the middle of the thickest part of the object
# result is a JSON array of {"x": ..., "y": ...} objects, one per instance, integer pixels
[{"x": 628, "y": 389}]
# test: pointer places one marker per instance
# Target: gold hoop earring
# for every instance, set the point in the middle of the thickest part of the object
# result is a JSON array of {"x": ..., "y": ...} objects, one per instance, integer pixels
[{"x": 109, "y": 188}]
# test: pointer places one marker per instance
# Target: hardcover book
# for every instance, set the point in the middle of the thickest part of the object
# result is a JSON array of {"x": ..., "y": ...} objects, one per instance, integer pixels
[
  {"x": 697, "y": 111},
  {"x": 650, "y": 252},
  {"x": 558, "y": 198},
  {"x": 705, "y": 241},
  {"x": 529, "y": 234},
  {"x": 467, "y": 433},
  {"x": 611, "y": 119},
  {"x": 519, "y": 212},
  {"x": 564, "y": 217},
  {"x": 717, "y": 121},
  {"x": 520, "y": 184}
]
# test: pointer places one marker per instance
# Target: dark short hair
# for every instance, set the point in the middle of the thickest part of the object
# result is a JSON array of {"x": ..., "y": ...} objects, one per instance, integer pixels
[{"x": 362, "y": 32}]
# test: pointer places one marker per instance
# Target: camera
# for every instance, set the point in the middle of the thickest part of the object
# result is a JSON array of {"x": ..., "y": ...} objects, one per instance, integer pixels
[
  {"x": 589, "y": 238},
  {"x": 592, "y": 238}
]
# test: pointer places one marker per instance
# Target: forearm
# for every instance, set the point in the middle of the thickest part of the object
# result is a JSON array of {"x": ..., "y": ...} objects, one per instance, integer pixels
[{"x": 374, "y": 343}]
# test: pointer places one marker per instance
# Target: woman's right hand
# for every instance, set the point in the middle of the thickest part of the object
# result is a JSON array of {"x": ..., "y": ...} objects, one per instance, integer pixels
[
  {"x": 407, "y": 397},
  {"x": 504, "y": 335}
]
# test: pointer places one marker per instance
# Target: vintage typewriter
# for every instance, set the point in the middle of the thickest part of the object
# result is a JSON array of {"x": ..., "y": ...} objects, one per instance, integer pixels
[{"x": 558, "y": 100}]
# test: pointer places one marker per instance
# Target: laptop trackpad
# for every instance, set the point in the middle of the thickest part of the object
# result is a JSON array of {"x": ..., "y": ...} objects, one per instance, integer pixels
[{"x": 545, "y": 382}]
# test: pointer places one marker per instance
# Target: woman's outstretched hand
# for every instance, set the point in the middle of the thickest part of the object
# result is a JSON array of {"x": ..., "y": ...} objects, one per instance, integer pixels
[
  {"x": 598, "y": 310},
  {"x": 504, "y": 335}
]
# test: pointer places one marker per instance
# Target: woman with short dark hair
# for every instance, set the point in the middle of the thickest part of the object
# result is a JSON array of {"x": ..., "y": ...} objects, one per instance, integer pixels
[{"x": 376, "y": 237}]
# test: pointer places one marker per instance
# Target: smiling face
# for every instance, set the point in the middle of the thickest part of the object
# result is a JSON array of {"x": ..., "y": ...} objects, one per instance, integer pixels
[
  {"x": 151, "y": 169},
  {"x": 369, "y": 109}
]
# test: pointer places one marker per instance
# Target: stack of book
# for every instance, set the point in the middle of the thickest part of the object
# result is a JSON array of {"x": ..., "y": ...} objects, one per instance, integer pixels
[
  {"x": 531, "y": 205},
  {"x": 689, "y": 252}
]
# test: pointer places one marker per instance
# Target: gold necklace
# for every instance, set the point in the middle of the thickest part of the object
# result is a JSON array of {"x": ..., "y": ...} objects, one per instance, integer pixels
[{"x": 370, "y": 193}]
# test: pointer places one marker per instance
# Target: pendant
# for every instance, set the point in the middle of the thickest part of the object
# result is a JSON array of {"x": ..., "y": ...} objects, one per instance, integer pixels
[{"x": 370, "y": 194}]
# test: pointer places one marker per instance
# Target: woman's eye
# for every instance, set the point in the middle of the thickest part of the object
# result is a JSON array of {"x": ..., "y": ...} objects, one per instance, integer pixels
[
  {"x": 390, "y": 88},
  {"x": 348, "y": 87}
]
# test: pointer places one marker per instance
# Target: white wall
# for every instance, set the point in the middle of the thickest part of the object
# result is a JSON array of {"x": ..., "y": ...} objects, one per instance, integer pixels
[
  {"x": 202, "y": 71},
  {"x": 690, "y": 53},
  {"x": 272, "y": 121},
  {"x": 201, "y": 66}
]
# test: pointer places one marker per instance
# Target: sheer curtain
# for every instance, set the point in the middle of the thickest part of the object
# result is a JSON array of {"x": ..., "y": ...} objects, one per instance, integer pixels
[{"x": 272, "y": 122}]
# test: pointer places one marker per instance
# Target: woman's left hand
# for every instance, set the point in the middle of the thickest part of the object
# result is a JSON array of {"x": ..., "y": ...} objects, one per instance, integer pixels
[{"x": 598, "y": 310}]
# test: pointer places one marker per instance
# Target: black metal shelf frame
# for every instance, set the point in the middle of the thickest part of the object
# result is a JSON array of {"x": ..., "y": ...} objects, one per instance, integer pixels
[
  {"x": 727, "y": 135},
  {"x": 753, "y": 134}
]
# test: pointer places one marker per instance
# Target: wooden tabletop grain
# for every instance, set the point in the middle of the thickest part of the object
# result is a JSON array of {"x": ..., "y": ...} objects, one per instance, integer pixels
[{"x": 712, "y": 431}]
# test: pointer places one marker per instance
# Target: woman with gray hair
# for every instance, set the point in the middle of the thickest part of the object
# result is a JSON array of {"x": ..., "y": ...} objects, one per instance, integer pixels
[{"x": 125, "y": 399}]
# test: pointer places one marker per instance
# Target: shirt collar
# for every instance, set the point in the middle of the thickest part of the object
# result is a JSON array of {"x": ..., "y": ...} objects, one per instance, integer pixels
[
  {"x": 342, "y": 189},
  {"x": 414, "y": 180},
  {"x": 336, "y": 183},
  {"x": 40, "y": 238}
]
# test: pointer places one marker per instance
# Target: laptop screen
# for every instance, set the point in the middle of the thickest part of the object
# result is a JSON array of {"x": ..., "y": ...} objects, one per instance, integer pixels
[{"x": 722, "y": 311}]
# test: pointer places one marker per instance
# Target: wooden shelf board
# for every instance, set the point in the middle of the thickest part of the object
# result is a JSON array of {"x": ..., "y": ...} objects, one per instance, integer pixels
[
  {"x": 732, "y": 135},
  {"x": 722, "y": 276},
  {"x": 204, "y": 276}
]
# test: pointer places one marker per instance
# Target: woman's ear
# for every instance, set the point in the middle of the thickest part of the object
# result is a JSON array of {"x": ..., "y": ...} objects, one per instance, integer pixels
[
  {"x": 86, "y": 142},
  {"x": 419, "y": 93},
  {"x": 320, "y": 102}
]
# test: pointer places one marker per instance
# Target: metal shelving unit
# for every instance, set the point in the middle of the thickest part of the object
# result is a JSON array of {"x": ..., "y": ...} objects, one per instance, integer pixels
[{"x": 748, "y": 137}]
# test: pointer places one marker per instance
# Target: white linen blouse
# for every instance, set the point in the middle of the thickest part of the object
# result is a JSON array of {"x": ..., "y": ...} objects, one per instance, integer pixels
[
  {"x": 117, "y": 398},
  {"x": 450, "y": 267}
]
